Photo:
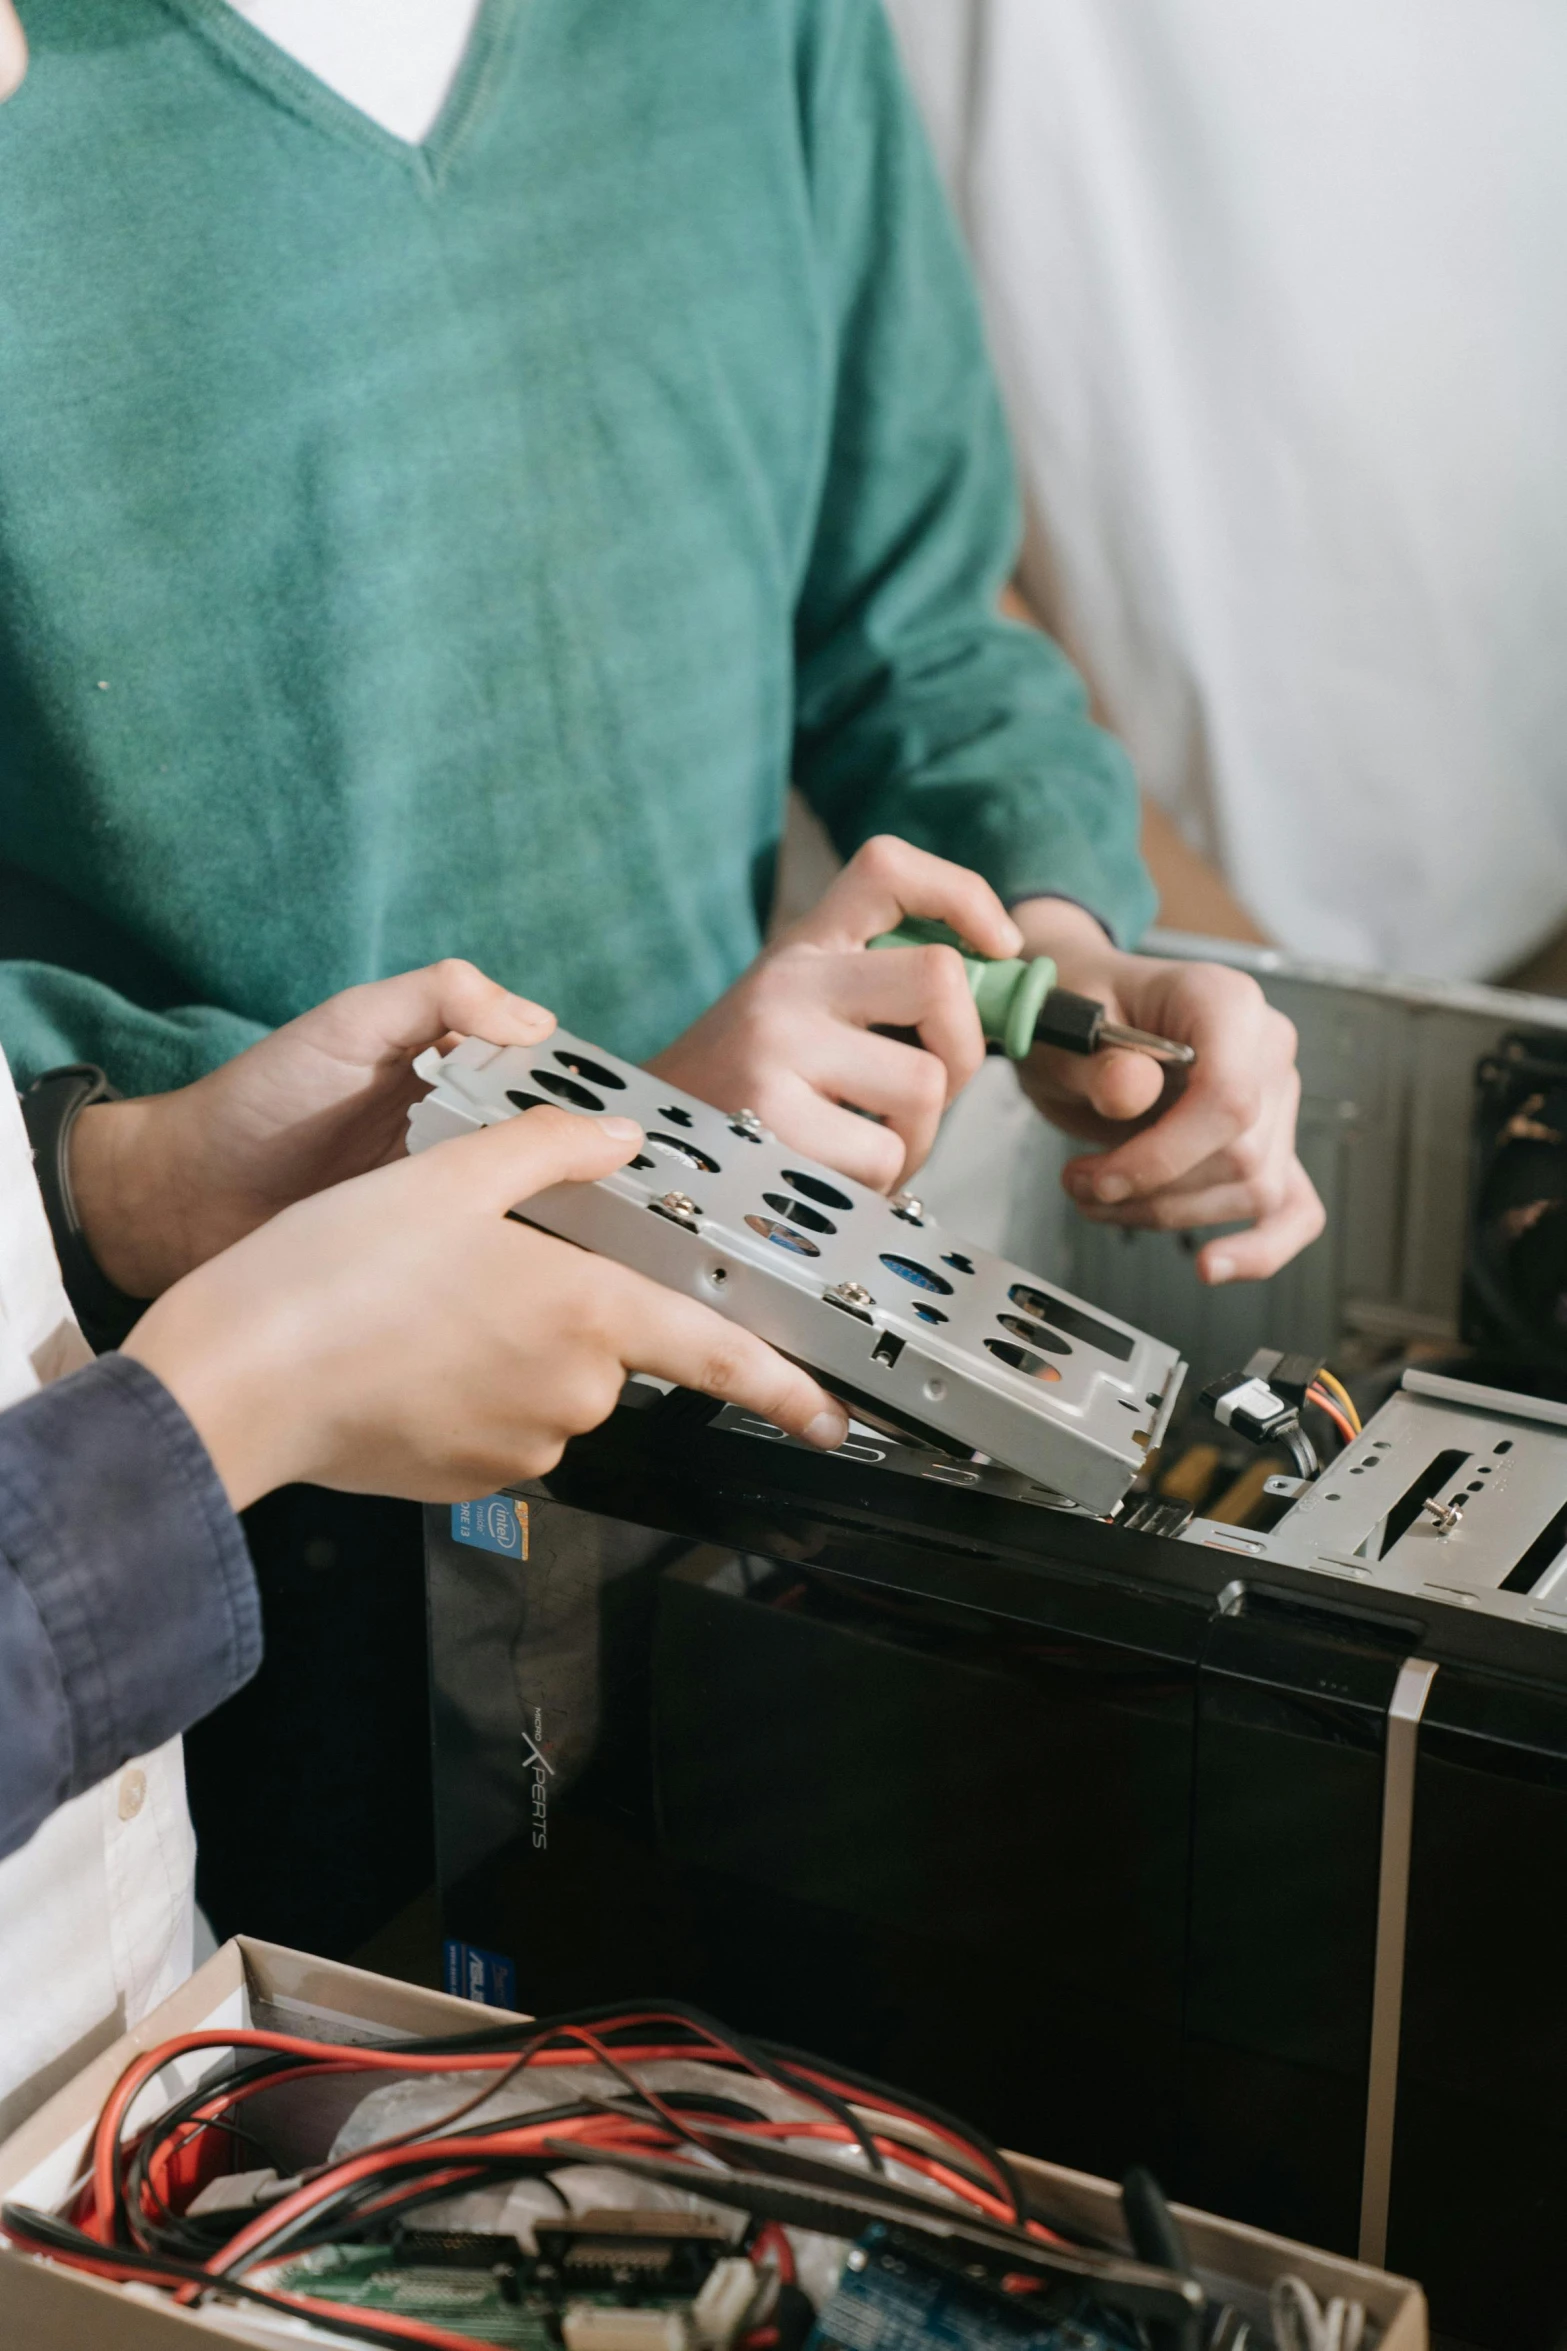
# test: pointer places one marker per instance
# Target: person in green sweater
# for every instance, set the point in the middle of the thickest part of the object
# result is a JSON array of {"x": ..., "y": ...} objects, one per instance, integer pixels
[
  {"x": 416, "y": 550},
  {"x": 454, "y": 548}
]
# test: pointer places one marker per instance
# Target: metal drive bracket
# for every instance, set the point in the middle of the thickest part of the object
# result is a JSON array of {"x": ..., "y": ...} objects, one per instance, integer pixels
[{"x": 904, "y": 1321}]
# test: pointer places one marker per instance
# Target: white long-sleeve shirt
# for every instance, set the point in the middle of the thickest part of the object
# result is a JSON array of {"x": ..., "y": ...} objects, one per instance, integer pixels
[{"x": 1278, "y": 301}]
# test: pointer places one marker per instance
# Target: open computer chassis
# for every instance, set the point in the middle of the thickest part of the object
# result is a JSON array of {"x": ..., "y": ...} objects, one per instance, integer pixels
[{"x": 1235, "y": 1848}]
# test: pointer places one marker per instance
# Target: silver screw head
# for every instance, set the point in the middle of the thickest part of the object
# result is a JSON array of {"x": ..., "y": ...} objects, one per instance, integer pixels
[
  {"x": 1444, "y": 1516},
  {"x": 852, "y": 1293},
  {"x": 746, "y": 1122},
  {"x": 908, "y": 1206},
  {"x": 681, "y": 1204}
]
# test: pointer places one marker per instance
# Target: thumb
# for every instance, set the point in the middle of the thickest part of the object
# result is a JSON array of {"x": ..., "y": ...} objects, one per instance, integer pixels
[
  {"x": 501, "y": 1165},
  {"x": 395, "y": 1017}
]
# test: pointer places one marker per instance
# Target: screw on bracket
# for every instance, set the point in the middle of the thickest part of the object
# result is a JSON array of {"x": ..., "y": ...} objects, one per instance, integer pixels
[
  {"x": 850, "y": 1298},
  {"x": 1444, "y": 1516},
  {"x": 677, "y": 1205},
  {"x": 905, "y": 1204},
  {"x": 746, "y": 1123}
]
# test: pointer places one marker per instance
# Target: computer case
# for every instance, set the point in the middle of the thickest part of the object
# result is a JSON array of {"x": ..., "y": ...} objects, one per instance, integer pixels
[{"x": 1076, "y": 1829}]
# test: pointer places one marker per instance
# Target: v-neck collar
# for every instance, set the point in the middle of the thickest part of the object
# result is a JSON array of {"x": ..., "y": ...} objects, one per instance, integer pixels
[{"x": 283, "y": 77}]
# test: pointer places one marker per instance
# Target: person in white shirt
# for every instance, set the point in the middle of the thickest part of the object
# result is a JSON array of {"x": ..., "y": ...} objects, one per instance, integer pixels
[{"x": 1277, "y": 301}]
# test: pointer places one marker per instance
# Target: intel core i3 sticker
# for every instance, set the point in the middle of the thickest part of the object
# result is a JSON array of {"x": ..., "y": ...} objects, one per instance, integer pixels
[{"x": 498, "y": 1523}]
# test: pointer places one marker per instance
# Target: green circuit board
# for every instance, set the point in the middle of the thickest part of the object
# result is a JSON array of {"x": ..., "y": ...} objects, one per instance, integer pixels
[{"x": 491, "y": 2307}]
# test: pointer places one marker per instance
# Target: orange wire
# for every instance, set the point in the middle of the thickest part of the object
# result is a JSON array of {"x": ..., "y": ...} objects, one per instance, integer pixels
[{"x": 1324, "y": 1403}]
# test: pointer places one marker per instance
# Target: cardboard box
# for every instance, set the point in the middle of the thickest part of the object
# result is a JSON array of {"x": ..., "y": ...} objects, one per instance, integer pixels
[{"x": 48, "y": 2308}]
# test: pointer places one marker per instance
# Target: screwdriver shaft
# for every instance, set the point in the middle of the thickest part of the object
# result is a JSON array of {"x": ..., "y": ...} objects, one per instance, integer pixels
[{"x": 1142, "y": 1041}]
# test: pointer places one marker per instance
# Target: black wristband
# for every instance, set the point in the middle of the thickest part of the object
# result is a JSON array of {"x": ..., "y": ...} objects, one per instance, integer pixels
[{"x": 50, "y": 1108}]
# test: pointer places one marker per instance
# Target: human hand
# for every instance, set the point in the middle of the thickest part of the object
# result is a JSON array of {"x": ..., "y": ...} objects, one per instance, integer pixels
[
  {"x": 401, "y": 1334},
  {"x": 165, "y": 1182},
  {"x": 794, "y": 1038},
  {"x": 1214, "y": 1144},
  {"x": 13, "y": 51}
]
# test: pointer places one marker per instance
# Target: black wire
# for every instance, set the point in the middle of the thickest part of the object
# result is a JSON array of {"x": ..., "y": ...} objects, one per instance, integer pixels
[
  {"x": 676, "y": 2012},
  {"x": 48, "y": 2235},
  {"x": 708, "y": 2040},
  {"x": 131, "y": 2180},
  {"x": 921, "y": 2108}
]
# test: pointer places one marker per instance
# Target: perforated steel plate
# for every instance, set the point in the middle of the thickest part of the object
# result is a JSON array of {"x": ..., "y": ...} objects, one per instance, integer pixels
[{"x": 903, "y": 1320}]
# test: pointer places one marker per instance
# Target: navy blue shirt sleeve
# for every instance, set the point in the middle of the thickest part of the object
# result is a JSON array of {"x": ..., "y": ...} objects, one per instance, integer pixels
[{"x": 128, "y": 1605}]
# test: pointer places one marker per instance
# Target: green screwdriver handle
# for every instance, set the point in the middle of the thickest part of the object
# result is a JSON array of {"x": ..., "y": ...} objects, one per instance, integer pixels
[{"x": 1009, "y": 995}]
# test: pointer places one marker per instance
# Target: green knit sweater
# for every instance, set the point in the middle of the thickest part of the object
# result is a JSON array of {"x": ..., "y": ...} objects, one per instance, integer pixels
[{"x": 455, "y": 550}]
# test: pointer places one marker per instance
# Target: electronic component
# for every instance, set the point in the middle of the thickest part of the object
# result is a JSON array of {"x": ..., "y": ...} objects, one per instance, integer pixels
[
  {"x": 896, "y": 2294},
  {"x": 907, "y": 1324},
  {"x": 642, "y": 2280},
  {"x": 663, "y": 2252},
  {"x": 1289, "y": 1376},
  {"x": 1256, "y": 1411},
  {"x": 595, "y": 2326},
  {"x": 1020, "y": 1005}
]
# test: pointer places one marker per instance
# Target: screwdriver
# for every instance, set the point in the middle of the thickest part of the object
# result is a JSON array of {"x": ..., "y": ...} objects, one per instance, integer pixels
[{"x": 1020, "y": 1006}]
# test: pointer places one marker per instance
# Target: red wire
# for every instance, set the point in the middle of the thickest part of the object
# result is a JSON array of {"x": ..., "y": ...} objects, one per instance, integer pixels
[
  {"x": 771, "y": 2244},
  {"x": 443, "y": 2162}
]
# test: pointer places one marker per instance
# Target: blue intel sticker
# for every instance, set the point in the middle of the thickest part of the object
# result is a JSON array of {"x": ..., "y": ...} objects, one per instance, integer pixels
[
  {"x": 484, "y": 1976},
  {"x": 498, "y": 1523}
]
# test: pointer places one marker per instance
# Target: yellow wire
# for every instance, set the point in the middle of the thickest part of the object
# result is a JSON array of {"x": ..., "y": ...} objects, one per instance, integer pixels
[{"x": 1337, "y": 1389}]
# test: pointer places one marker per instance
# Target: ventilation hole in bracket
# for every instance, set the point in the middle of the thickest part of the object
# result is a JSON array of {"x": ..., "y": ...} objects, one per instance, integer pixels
[
  {"x": 1037, "y": 1335},
  {"x": 1074, "y": 1319},
  {"x": 566, "y": 1090},
  {"x": 692, "y": 1153},
  {"x": 675, "y": 1115},
  {"x": 641, "y": 1160},
  {"x": 929, "y": 1313},
  {"x": 815, "y": 1189},
  {"x": 521, "y": 1101},
  {"x": 594, "y": 1071},
  {"x": 958, "y": 1261},
  {"x": 782, "y": 1237},
  {"x": 909, "y": 1269},
  {"x": 1023, "y": 1359},
  {"x": 797, "y": 1213}
]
